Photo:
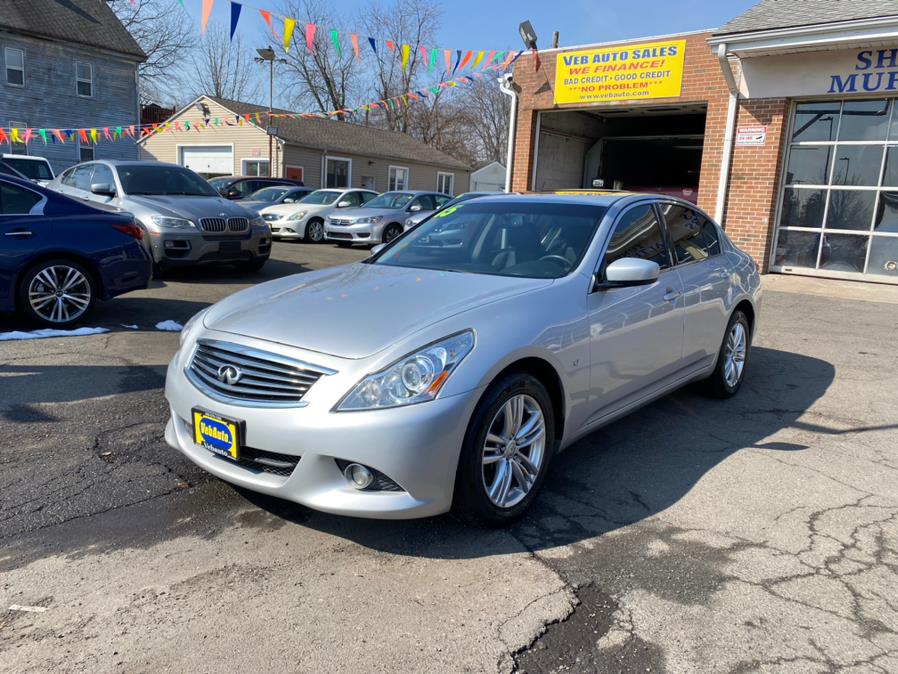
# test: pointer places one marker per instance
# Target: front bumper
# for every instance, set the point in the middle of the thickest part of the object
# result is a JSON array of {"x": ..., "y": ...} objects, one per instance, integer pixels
[
  {"x": 287, "y": 229},
  {"x": 366, "y": 233},
  {"x": 190, "y": 247},
  {"x": 416, "y": 446}
]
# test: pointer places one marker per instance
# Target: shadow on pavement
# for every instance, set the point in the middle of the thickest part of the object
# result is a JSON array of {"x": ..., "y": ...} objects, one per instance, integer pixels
[{"x": 228, "y": 274}]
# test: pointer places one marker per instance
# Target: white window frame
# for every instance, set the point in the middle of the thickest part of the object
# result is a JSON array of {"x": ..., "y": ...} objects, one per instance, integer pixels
[
  {"x": 444, "y": 174},
  {"x": 258, "y": 160},
  {"x": 393, "y": 186},
  {"x": 93, "y": 152},
  {"x": 14, "y": 148},
  {"x": 6, "y": 68},
  {"x": 79, "y": 80},
  {"x": 348, "y": 160}
]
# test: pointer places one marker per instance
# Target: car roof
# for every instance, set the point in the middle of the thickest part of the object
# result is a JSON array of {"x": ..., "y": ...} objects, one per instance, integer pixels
[
  {"x": 31, "y": 157},
  {"x": 604, "y": 198}
]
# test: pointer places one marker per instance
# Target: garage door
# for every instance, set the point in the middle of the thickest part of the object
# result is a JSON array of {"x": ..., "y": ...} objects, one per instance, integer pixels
[
  {"x": 560, "y": 162},
  {"x": 208, "y": 161}
]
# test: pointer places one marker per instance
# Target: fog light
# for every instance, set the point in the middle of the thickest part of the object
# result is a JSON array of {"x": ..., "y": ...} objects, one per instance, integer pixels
[{"x": 358, "y": 475}]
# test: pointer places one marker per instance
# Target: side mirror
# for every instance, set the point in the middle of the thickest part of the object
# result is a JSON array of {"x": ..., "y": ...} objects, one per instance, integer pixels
[
  {"x": 232, "y": 194},
  {"x": 414, "y": 208},
  {"x": 631, "y": 271},
  {"x": 379, "y": 247},
  {"x": 343, "y": 204},
  {"x": 289, "y": 200},
  {"x": 102, "y": 189}
]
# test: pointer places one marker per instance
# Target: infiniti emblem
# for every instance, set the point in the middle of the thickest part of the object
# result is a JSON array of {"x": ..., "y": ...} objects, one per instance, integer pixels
[{"x": 229, "y": 374}]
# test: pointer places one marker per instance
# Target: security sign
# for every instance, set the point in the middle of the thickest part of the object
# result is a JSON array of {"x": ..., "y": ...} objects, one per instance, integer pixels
[
  {"x": 751, "y": 135},
  {"x": 633, "y": 72}
]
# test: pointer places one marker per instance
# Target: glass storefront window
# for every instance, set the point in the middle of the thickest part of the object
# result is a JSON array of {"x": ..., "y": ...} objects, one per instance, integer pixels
[
  {"x": 816, "y": 121},
  {"x": 886, "y": 214},
  {"x": 850, "y": 209},
  {"x": 796, "y": 249},
  {"x": 857, "y": 165},
  {"x": 803, "y": 208},
  {"x": 844, "y": 252},
  {"x": 808, "y": 165},
  {"x": 883, "y": 256},
  {"x": 864, "y": 120},
  {"x": 890, "y": 177}
]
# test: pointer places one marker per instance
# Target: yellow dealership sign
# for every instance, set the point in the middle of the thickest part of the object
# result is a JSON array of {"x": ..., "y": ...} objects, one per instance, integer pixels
[{"x": 633, "y": 72}]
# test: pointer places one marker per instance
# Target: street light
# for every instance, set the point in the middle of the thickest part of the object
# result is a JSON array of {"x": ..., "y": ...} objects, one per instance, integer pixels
[{"x": 267, "y": 55}]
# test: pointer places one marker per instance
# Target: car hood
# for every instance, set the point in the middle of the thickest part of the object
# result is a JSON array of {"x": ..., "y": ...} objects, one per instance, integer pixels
[
  {"x": 189, "y": 207},
  {"x": 358, "y": 310}
]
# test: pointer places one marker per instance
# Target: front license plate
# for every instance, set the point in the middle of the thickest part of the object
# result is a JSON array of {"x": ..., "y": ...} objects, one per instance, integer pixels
[
  {"x": 217, "y": 434},
  {"x": 229, "y": 247}
]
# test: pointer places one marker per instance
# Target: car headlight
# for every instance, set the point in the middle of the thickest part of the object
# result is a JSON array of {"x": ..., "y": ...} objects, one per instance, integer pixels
[
  {"x": 370, "y": 220},
  {"x": 171, "y": 223},
  {"x": 258, "y": 221},
  {"x": 298, "y": 216},
  {"x": 191, "y": 326},
  {"x": 416, "y": 378}
]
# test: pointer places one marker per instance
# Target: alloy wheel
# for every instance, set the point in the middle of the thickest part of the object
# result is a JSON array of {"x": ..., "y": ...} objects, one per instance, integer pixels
[
  {"x": 734, "y": 354},
  {"x": 59, "y": 293},
  {"x": 316, "y": 232},
  {"x": 391, "y": 233},
  {"x": 513, "y": 451}
]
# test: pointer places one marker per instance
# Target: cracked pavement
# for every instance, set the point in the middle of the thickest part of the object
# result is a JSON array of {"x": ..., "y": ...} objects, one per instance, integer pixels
[{"x": 756, "y": 534}]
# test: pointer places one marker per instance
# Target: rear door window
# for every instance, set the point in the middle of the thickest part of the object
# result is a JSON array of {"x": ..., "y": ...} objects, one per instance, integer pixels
[
  {"x": 425, "y": 201},
  {"x": 15, "y": 200},
  {"x": 354, "y": 198},
  {"x": 637, "y": 233},
  {"x": 693, "y": 236}
]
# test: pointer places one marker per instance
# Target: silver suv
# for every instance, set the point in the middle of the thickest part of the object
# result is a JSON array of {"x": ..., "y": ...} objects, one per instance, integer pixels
[{"x": 188, "y": 222}]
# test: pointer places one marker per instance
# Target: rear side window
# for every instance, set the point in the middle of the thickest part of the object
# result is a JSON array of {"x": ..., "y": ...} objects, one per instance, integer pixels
[
  {"x": 426, "y": 202},
  {"x": 31, "y": 168},
  {"x": 692, "y": 235},
  {"x": 15, "y": 200},
  {"x": 368, "y": 196},
  {"x": 637, "y": 233},
  {"x": 102, "y": 174},
  {"x": 354, "y": 198}
]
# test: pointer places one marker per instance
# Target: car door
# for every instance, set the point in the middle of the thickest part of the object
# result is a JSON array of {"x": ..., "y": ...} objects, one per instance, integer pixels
[
  {"x": 22, "y": 232},
  {"x": 636, "y": 332},
  {"x": 705, "y": 273}
]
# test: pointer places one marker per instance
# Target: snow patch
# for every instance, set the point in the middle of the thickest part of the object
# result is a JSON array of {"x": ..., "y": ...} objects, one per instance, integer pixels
[
  {"x": 50, "y": 332},
  {"x": 169, "y": 326}
]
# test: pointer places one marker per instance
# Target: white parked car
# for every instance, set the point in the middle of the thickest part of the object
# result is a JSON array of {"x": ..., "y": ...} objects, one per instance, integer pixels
[
  {"x": 304, "y": 219},
  {"x": 37, "y": 169}
]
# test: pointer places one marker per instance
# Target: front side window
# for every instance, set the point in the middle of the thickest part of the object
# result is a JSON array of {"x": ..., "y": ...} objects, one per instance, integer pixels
[
  {"x": 390, "y": 200},
  {"x": 15, "y": 200},
  {"x": 426, "y": 202},
  {"x": 255, "y": 167},
  {"x": 446, "y": 183},
  {"x": 15, "y": 66},
  {"x": 354, "y": 198},
  {"x": 338, "y": 172},
  {"x": 269, "y": 194},
  {"x": 637, "y": 233},
  {"x": 102, "y": 174},
  {"x": 82, "y": 176},
  {"x": 84, "y": 79},
  {"x": 692, "y": 235},
  {"x": 398, "y": 178},
  {"x": 322, "y": 197}
]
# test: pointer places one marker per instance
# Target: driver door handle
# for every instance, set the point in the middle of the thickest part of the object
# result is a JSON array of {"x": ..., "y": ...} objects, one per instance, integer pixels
[
  {"x": 721, "y": 273},
  {"x": 20, "y": 233},
  {"x": 671, "y": 295}
]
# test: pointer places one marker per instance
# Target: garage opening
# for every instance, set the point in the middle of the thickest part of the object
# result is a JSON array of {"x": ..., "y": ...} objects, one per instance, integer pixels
[
  {"x": 644, "y": 149},
  {"x": 209, "y": 161}
]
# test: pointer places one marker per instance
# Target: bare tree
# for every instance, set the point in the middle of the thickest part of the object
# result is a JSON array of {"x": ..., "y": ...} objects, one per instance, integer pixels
[
  {"x": 224, "y": 68},
  {"x": 322, "y": 77},
  {"x": 162, "y": 30},
  {"x": 486, "y": 112}
]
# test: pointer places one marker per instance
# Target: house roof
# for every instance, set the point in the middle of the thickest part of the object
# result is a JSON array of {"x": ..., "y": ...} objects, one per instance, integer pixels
[
  {"x": 488, "y": 162},
  {"x": 773, "y": 14},
  {"x": 85, "y": 22},
  {"x": 325, "y": 134}
]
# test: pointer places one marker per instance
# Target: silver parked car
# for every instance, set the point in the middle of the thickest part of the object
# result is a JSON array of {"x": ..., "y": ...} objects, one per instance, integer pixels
[
  {"x": 433, "y": 377},
  {"x": 274, "y": 195},
  {"x": 418, "y": 218},
  {"x": 382, "y": 219},
  {"x": 305, "y": 220},
  {"x": 186, "y": 220}
]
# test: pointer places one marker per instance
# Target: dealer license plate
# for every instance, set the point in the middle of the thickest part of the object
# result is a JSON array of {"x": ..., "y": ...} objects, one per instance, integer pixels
[{"x": 217, "y": 434}]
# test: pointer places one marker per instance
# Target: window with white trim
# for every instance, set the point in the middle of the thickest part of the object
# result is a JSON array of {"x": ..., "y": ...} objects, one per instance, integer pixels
[
  {"x": 255, "y": 167},
  {"x": 338, "y": 172},
  {"x": 18, "y": 148},
  {"x": 446, "y": 183},
  {"x": 85, "y": 152},
  {"x": 84, "y": 79},
  {"x": 14, "y": 60},
  {"x": 398, "y": 179}
]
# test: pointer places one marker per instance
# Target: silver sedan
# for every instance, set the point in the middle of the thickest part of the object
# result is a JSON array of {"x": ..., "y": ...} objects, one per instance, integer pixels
[{"x": 445, "y": 373}]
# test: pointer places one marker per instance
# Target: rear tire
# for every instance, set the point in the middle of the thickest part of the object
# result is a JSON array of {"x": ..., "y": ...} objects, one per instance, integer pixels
[
  {"x": 57, "y": 293},
  {"x": 732, "y": 359},
  {"x": 314, "y": 231},
  {"x": 506, "y": 452}
]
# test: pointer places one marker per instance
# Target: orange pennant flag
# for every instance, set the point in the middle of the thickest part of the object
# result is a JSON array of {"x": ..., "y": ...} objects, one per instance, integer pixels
[
  {"x": 448, "y": 56},
  {"x": 489, "y": 59},
  {"x": 207, "y": 10},
  {"x": 465, "y": 60},
  {"x": 355, "y": 46},
  {"x": 266, "y": 17}
]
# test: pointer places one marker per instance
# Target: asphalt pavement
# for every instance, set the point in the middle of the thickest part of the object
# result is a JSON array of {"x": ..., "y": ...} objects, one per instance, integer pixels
[{"x": 755, "y": 534}]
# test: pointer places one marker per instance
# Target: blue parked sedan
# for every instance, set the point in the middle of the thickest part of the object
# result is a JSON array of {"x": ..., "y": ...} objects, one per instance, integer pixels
[{"x": 58, "y": 255}]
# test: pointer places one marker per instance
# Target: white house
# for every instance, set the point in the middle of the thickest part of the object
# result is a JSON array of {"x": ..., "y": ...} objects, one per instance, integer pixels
[{"x": 488, "y": 177}]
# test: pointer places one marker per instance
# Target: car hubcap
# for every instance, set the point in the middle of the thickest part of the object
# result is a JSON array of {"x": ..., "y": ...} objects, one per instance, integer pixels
[
  {"x": 390, "y": 235},
  {"x": 315, "y": 231},
  {"x": 59, "y": 294},
  {"x": 513, "y": 451},
  {"x": 734, "y": 354}
]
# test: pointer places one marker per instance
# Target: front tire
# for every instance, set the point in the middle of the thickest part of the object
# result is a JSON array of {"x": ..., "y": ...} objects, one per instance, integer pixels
[
  {"x": 57, "y": 293},
  {"x": 314, "y": 231},
  {"x": 391, "y": 232},
  {"x": 732, "y": 359},
  {"x": 506, "y": 453}
]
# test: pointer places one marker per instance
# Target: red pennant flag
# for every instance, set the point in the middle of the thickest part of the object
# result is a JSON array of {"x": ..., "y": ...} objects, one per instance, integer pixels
[
  {"x": 355, "y": 46},
  {"x": 310, "y": 36},
  {"x": 106, "y": 133},
  {"x": 423, "y": 51},
  {"x": 489, "y": 59},
  {"x": 59, "y": 134},
  {"x": 29, "y": 134},
  {"x": 177, "y": 125},
  {"x": 391, "y": 45},
  {"x": 131, "y": 129},
  {"x": 3, "y": 138},
  {"x": 83, "y": 134},
  {"x": 465, "y": 60},
  {"x": 266, "y": 17}
]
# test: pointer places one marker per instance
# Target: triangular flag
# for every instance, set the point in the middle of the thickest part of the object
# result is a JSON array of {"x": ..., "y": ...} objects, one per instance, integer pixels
[
  {"x": 335, "y": 38},
  {"x": 106, "y": 133},
  {"x": 373, "y": 44},
  {"x": 207, "y": 10},
  {"x": 93, "y": 136},
  {"x": 355, "y": 46},
  {"x": 29, "y": 134},
  {"x": 466, "y": 59},
  {"x": 3, "y": 138},
  {"x": 235, "y": 16},
  {"x": 405, "y": 54},
  {"x": 423, "y": 51},
  {"x": 289, "y": 26},
  {"x": 59, "y": 134},
  {"x": 43, "y": 134},
  {"x": 447, "y": 56},
  {"x": 489, "y": 59},
  {"x": 14, "y": 135},
  {"x": 434, "y": 54},
  {"x": 477, "y": 59},
  {"x": 457, "y": 60},
  {"x": 310, "y": 36},
  {"x": 266, "y": 17},
  {"x": 391, "y": 45}
]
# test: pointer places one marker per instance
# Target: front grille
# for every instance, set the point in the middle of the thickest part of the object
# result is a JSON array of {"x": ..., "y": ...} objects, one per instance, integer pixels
[
  {"x": 257, "y": 378},
  {"x": 220, "y": 225},
  {"x": 339, "y": 235},
  {"x": 340, "y": 222},
  {"x": 267, "y": 462}
]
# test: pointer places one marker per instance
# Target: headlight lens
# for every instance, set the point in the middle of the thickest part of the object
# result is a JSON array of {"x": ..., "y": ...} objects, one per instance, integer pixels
[
  {"x": 298, "y": 216},
  {"x": 258, "y": 221},
  {"x": 192, "y": 325},
  {"x": 414, "y": 379},
  {"x": 370, "y": 220},
  {"x": 171, "y": 223}
]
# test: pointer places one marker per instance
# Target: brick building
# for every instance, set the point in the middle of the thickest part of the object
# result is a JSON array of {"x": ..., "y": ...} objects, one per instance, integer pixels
[{"x": 781, "y": 124}]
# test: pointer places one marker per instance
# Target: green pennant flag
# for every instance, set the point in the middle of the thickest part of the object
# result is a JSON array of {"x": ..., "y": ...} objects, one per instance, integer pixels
[
  {"x": 187, "y": 125},
  {"x": 43, "y": 134},
  {"x": 335, "y": 38},
  {"x": 118, "y": 132},
  {"x": 434, "y": 55}
]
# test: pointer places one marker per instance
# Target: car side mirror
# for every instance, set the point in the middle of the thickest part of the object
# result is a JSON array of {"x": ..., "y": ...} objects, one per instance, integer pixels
[
  {"x": 343, "y": 204},
  {"x": 630, "y": 271},
  {"x": 414, "y": 208},
  {"x": 102, "y": 189},
  {"x": 289, "y": 200},
  {"x": 379, "y": 247},
  {"x": 232, "y": 194}
]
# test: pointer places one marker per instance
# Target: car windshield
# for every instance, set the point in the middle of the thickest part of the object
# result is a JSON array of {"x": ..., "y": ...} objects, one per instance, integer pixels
[
  {"x": 322, "y": 197},
  {"x": 529, "y": 239},
  {"x": 163, "y": 180},
  {"x": 268, "y": 194},
  {"x": 30, "y": 168},
  {"x": 390, "y": 200},
  {"x": 461, "y": 198}
]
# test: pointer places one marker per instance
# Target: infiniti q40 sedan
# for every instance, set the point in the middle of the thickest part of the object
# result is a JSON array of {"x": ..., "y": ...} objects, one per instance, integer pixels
[{"x": 444, "y": 374}]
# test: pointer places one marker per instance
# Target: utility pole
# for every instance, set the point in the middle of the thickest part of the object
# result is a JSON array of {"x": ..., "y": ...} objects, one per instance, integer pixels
[{"x": 267, "y": 55}]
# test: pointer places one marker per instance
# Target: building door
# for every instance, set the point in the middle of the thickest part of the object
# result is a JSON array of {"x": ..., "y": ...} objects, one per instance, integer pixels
[
  {"x": 839, "y": 211},
  {"x": 207, "y": 160}
]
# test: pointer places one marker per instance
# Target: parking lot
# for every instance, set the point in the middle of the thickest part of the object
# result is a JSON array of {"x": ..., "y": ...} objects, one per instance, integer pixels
[{"x": 696, "y": 535}]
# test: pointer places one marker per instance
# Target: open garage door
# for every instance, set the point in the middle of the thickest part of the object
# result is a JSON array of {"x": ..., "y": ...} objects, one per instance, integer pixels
[
  {"x": 208, "y": 161},
  {"x": 644, "y": 149}
]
